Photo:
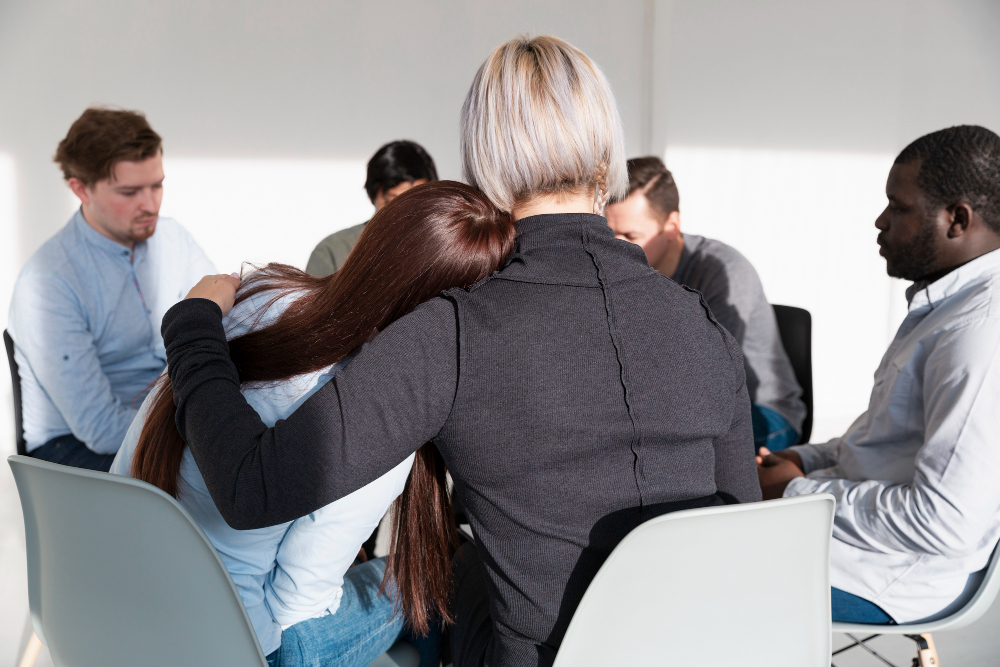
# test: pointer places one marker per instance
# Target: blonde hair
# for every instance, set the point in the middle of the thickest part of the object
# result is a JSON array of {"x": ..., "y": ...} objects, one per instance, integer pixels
[{"x": 540, "y": 118}]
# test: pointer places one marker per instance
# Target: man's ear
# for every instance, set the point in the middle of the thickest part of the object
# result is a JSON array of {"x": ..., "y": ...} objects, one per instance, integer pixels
[
  {"x": 672, "y": 225},
  {"x": 960, "y": 217},
  {"x": 79, "y": 189}
]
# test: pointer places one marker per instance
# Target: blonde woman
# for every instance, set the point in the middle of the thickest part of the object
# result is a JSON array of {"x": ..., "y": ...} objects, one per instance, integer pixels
[{"x": 573, "y": 394}]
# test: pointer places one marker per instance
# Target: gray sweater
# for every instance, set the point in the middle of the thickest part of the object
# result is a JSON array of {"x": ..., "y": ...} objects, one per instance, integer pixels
[
  {"x": 574, "y": 395},
  {"x": 735, "y": 294}
]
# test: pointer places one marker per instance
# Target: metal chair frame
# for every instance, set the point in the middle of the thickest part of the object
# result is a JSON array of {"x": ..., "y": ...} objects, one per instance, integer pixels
[{"x": 15, "y": 381}]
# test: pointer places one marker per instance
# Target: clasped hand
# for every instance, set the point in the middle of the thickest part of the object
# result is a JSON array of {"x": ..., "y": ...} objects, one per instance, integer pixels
[
  {"x": 776, "y": 470},
  {"x": 220, "y": 288}
]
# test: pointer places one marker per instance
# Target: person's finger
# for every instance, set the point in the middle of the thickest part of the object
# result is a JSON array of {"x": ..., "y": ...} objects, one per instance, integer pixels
[
  {"x": 235, "y": 275},
  {"x": 771, "y": 460},
  {"x": 763, "y": 451}
]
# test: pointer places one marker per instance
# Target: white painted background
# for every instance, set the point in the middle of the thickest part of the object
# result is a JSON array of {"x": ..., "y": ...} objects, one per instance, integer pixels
[{"x": 779, "y": 118}]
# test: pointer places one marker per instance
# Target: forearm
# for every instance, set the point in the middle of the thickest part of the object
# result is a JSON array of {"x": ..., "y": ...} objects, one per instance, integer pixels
[
  {"x": 816, "y": 457},
  {"x": 357, "y": 427},
  {"x": 892, "y": 518}
]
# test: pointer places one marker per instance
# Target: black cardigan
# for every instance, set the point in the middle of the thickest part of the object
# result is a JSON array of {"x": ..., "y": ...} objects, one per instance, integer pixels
[{"x": 573, "y": 395}]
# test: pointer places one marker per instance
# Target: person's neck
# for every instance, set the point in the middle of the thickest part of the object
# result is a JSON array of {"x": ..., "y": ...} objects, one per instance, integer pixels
[
  {"x": 987, "y": 246},
  {"x": 88, "y": 216},
  {"x": 671, "y": 258},
  {"x": 560, "y": 202}
]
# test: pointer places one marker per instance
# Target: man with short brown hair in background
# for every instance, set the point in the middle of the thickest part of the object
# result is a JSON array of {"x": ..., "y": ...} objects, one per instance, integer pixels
[
  {"x": 86, "y": 309},
  {"x": 650, "y": 217}
]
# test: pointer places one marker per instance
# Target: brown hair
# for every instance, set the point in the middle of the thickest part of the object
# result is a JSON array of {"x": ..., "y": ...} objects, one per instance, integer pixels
[
  {"x": 650, "y": 175},
  {"x": 100, "y": 139},
  {"x": 430, "y": 238}
]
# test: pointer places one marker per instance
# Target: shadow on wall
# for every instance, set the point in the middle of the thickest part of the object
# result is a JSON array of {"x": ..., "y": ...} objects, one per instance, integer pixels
[
  {"x": 806, "y": 220},
  {"x": 8, "y": 273}
]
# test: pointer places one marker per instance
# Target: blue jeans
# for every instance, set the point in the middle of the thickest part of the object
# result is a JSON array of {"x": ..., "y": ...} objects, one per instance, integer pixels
[
  {"x": 68, "y": 451},
  {"x": 363, "y": 628},
  {"x": 771, "y": 430},
  {"x": 848, "y": 608}
]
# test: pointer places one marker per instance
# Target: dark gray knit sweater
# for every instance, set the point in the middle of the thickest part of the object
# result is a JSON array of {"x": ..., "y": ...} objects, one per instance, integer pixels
[{"x": 574, "y": 394}]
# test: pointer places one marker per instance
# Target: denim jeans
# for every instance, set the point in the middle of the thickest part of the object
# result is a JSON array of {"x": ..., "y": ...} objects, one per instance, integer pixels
[
  {"x": 68, "y": 451},
  {"x": 363, "y": 628},
  {"x": 771, "y": 430},
  {"x": 848, "y": 608}
]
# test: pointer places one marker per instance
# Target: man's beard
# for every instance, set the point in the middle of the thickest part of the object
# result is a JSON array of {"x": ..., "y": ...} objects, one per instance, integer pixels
[
  {"x": 140, "y": 234},
  {"x": 916, "y": 260}
]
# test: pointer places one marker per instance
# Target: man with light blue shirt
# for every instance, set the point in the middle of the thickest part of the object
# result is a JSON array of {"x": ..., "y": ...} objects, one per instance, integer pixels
[
  {"x": 86, "y": 309},
  {"x": 916, "y": 476}
]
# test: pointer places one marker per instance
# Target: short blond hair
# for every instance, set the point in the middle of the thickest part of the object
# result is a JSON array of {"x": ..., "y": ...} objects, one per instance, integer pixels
[{"x": 540, "y": 118}]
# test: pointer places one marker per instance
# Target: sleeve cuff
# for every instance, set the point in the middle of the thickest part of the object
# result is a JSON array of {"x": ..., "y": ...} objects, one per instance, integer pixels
[
  {"x": 801, "y": 486},
  {"x": 811, "y": 459}
]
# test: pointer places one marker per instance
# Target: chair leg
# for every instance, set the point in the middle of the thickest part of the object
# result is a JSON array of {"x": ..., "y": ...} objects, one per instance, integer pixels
[
  {"x": 31, "y": 651},
  {"x": 926, "y": 652}
]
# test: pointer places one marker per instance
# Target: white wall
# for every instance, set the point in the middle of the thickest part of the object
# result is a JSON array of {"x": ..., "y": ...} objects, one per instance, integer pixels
[
  {"x": 781, "y": 118},
  {"x": 311, "y": 81}
]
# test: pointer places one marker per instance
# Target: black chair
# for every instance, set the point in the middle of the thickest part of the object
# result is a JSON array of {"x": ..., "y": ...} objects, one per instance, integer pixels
[
  {"x": 15, "y": 380},
  {"x": 795, "y": 327}
]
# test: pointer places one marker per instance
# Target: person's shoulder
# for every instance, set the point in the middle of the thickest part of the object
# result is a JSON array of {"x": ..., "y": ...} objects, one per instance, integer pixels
[
  {"x": 259, "y": 310},
  {"x": 52, "y": 263},
  {"x": 345, "y": 236},
  {"x": 736, "y": 264},
  {"x": 169, "y": 231}
]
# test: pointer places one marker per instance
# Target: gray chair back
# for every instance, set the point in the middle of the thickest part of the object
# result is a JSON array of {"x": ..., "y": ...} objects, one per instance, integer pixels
[
  {"x": 119, "y": 575},
  {"x": 795, "y": 328},
  {"x": 15, "y": 381}
]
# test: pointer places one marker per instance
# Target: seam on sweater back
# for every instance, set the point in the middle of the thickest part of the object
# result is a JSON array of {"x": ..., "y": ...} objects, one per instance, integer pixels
[{"x": 635, "y": 441}]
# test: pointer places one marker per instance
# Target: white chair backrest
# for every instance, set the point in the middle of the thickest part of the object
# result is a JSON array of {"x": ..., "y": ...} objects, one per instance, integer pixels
[
  {"x": 735, "y": 585},
  {"x": 119, "y": 575}
]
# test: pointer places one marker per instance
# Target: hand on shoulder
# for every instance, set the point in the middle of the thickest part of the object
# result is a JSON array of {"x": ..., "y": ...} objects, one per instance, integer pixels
[{"x": 220, "y": 288}]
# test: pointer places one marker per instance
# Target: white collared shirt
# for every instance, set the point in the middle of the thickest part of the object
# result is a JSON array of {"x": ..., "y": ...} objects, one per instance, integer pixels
[{"x": 917, "y": 476}]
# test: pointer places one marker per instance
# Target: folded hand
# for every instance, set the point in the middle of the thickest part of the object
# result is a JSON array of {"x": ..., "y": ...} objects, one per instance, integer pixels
[{"x": 776, "y": 470}]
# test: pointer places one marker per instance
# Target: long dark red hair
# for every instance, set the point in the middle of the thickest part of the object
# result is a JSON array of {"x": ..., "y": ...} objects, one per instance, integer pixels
[{"x": 431, "y": 238}]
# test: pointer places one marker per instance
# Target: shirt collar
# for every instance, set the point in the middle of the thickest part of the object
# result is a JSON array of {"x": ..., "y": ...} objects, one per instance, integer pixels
[
  {"x": 538, "y": 231},
  {"x": 922, "y": 293},
  {"x": 98, "y": 240}
]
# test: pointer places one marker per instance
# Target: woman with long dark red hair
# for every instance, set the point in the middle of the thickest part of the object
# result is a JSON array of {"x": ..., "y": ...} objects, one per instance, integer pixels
[{"x": 288, "y": 334}]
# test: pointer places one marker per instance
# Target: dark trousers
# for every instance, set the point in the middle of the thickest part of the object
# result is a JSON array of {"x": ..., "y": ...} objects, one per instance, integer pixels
[
  {"x": 472, "y": 633},
  {"x": 68, "y": 451}
]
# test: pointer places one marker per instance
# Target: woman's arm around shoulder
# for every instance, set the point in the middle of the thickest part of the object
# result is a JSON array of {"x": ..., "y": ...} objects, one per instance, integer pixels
[{"x": 394, "y": 396}]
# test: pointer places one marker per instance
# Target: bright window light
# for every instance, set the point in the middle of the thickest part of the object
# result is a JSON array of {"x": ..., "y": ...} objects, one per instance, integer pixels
[{"x": 263, "y": 211}]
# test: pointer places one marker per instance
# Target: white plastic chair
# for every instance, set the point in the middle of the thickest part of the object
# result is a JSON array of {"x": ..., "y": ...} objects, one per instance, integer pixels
[
  {"x": 980, "y": 592},
  {"x": 119, "y": 575},
  {"x": 744, "y": 585}
]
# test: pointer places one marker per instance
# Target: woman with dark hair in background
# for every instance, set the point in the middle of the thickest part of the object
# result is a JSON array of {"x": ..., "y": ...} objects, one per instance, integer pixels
[
  {"x": 287, "y": 334},
  {"x": 574, "y": 394}
]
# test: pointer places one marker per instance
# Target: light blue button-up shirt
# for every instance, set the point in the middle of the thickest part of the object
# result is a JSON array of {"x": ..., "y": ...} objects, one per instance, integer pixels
[{"x": 85, "y": 319}]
